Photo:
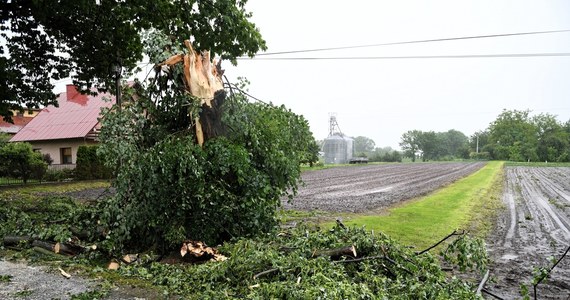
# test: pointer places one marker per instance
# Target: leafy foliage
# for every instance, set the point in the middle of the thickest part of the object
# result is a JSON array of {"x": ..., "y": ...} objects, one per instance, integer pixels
[
  {"x": 52, "y": 40},
  {"x": 170, "y": 189},
  {"x": 517, "y": 136},
  {"x": 89, "y": 165},
  {"x": 20, "y": 161},
  {"x": 49, "y": 217},
  {"x": 430, "y": 145},
  {"x": 386, "y": 270}
]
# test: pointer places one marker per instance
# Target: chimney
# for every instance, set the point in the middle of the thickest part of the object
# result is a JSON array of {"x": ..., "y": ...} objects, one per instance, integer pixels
[
  {"x": 74, "y": 95},
  {"x": 71, "y": 91}
]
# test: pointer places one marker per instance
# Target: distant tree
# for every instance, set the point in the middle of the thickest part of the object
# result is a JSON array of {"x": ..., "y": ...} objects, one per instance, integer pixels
[
  {"x": 456, "y": 143},
  {"x": 50, "y": 40},
  {"x": 553, "y": 139},
  {"x": 363, "y": 144},
  {"x": 429, "y": 145},
  {"x": 478, "y": 140},
  {"x": 410, "y": 143},
  {"x": 513, "y": 137}
]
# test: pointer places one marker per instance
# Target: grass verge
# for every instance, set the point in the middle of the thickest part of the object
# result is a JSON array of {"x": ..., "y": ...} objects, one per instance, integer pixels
[{"x": 470, "y": 203}]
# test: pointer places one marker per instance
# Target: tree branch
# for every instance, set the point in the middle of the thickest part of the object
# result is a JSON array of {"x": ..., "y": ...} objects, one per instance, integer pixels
[
  {"x": 443, "y": 240},
  {"x": 550, "y": 270}
]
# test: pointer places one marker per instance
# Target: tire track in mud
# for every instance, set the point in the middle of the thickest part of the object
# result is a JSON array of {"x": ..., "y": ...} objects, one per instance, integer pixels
[
  {"x": 534, "y": 226},
  {"x": 363, "y": 188}
]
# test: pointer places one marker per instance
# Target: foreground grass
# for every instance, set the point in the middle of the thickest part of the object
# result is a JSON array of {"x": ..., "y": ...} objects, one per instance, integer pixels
[{"x": 470, "y": 203}]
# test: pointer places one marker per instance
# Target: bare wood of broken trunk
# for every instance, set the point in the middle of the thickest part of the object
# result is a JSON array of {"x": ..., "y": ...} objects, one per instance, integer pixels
[{"x": 203, "y": 80}]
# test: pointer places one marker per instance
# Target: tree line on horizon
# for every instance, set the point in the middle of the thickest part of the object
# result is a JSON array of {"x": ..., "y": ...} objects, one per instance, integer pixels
[{"x": 514, "y": 135}]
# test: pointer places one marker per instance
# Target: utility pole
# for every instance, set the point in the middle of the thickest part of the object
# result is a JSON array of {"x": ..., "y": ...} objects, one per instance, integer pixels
[
  {"x": 477, "y": 144},
  {"x": 118, "y": 71}
]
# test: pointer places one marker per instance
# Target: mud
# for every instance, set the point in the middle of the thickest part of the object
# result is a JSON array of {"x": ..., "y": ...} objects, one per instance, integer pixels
[
  {"x": 372, "y": 187},
  {"x": 534, "y": 226}
]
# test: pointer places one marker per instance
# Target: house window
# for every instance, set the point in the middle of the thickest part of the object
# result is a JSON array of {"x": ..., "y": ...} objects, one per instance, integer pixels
[{"x": 65, "y": 155}]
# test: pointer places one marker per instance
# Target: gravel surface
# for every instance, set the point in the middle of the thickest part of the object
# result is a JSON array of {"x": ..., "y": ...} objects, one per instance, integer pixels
[
  {"x": 365, "y": 188},
  {"x": 534, "y": 226},
  {"x": 33, "y": 282}
]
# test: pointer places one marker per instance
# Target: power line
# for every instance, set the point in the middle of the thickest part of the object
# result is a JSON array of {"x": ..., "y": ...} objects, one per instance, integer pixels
[
  {"x": 414, "y": 42},
  {"x": 563, "y": 54}
]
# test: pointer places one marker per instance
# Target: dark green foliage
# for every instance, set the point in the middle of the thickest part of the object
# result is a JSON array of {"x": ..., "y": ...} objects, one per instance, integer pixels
[
  {"x": 50, "y": 218},
  {"x": 170, "y": 189},
  {"x": 52, "y": 175},
  {"x": 430, "y": 145},
  {"x": 386, "y": 155},
  {"x": 51, "y": 40},
  {"x": 387, "y": 270},
  {"x": 89, "y": 165},
  {"x": 516, "y": 136},
  {"x": 18, "y": 160}
]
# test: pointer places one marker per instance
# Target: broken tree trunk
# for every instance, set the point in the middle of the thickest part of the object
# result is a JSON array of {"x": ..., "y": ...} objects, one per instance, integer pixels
[
  {"x": 337, "y": 252},
  {"x": 203, "y": 80}
]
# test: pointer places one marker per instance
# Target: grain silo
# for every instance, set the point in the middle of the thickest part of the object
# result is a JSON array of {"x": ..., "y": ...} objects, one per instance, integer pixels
[{"x": 337, "y": 147}]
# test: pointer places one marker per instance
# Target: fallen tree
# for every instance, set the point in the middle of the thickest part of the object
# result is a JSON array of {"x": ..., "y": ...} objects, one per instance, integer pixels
[{"x": 197, "y": 162}]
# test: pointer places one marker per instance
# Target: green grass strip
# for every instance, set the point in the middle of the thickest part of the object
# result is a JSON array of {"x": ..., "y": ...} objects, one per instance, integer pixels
[{"x": 469, "y": 203}]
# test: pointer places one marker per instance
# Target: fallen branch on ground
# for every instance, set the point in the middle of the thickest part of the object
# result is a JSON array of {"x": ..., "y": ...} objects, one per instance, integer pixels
[
  {"x": 548, "y": 272},
  {"x": 443, "y": 240},
  {"x": 337, "y": 252}
]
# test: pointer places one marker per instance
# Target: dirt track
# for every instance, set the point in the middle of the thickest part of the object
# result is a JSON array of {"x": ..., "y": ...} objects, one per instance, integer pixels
[
  {"x": 535, "y": 226},
  {"x": 364, "y": 188}
]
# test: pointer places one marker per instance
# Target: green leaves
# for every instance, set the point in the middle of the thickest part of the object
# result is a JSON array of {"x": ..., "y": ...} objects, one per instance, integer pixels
[
  {"x": 47, "y": 40},
  {"x": 170, "y": 189},
  {"x": 283, "y": 266}
]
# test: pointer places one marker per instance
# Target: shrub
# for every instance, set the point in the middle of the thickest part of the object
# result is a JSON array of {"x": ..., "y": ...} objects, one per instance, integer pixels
[
  {"x": 20, "y": 161},
  {"x": 89, "y": 165},
  {"x": 59, "y": 175}
]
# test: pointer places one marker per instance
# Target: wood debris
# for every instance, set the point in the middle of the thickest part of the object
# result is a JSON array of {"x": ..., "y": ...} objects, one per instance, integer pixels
[
  {"x": 197, "y": 250},
  {"x": 64, "y": 274}
]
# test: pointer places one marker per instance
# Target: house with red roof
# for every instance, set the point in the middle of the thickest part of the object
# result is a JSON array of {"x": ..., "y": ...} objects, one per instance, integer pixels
[
  {"x": 19, "y": 120},
  {"x": 59, "y": 131}
]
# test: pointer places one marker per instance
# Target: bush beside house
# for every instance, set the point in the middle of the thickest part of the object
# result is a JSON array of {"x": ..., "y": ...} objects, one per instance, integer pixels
[
  {"x": 18, "y": 160},
  {"x": 89, "y": 165}
]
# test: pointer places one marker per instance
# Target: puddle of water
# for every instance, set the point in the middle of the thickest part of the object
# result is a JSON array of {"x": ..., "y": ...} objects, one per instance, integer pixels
[
  {"x": 380, "y": 190},
  {"x": 509, "y": 256}
]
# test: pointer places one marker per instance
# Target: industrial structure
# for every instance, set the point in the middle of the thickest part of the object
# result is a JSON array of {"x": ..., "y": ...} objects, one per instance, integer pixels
[{"x": 337, "y": 147}]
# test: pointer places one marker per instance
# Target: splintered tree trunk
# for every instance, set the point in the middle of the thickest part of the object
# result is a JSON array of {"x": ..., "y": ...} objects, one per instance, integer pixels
[
  {"x": 203, "y": 80},
  {"x": 211, "y": 117}
]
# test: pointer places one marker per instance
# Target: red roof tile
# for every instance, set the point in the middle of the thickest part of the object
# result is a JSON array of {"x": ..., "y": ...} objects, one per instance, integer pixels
[{"x": 74, "y": 118}]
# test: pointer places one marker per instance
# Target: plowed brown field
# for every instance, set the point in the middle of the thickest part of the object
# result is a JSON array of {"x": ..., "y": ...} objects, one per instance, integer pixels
[
  {"x": 534, "y": 227},
  {"x": 365, "y": 188}
]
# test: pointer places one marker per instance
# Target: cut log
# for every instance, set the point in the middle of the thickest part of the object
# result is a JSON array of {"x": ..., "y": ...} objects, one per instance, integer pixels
[
  {"x": 44, "y": 245},
  {"x": 130, "y": 258},
  {"x": 113, "y": 265},
  {"x": 15, "y": 240},
  {"x": 68, "y": 249},
  {"x": 337, "y": 252}
]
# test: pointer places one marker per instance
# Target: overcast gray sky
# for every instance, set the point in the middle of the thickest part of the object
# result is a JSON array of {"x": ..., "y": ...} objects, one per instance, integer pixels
[{"x": 383, "y": 98}]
